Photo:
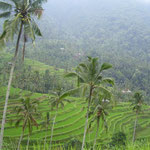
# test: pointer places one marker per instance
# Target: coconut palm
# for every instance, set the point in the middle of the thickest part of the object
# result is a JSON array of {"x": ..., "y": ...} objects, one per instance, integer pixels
[
  {"x": 100, "y": 107},
  {"x": 45, "y": 124},
  {"x": 90, "y": 79},
  {"x": 20, "y": 21},
  {"x": 27, "y": 115},
  {"x": 137, "y": 107},
  {"x": 57, "y": 99}
]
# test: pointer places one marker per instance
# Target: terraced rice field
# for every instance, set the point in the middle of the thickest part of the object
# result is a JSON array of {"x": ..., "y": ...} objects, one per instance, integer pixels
[{"x": 70, "y": 120}]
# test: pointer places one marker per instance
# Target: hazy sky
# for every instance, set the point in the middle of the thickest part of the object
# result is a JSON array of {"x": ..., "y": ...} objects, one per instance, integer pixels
[{"x": 145, "y": 1}]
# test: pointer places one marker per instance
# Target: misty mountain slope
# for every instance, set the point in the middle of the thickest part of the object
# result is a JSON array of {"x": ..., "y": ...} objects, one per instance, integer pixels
[
  {"x": 99, "y": 25},
  {"x": 117, "y": 31}
]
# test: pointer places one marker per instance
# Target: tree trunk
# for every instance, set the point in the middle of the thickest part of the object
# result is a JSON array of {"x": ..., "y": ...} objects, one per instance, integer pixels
[
  {"x": 45, "y": 138},
  {"x": 87, "y": 117},
  {"x": 135, "y": 124},
  {"x": 97, "y": 130},
  {"x": 24, "y": 46},
  {"x": 8, "y": 88},
  {"x": 52, "y": 130},
  {"x": 28, "y": 142},
  {"x": 21, "y": 137}
]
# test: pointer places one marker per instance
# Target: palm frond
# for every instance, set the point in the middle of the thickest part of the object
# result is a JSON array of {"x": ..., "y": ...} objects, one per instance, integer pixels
[
  {"x": 108, "y": 80},
  {"x": 83, "y": 65},
  {"x": 98, "y": 107},
  {"x": 89, "y": 58},
  {"x": 105, "y": 66},
  {"x": 3, "y": 35},
  {"x": 36, "y": 28},
  {"x": 34, "y": 121},
  {"x": 71, "y": 74},
  {"x": 35, "y": 7},
  {"x": 37, "y": 3},
  {"x": 2, "y": 44},
  {"x": 17, "y": 3},
  {"x": 18, "y": 122},
  {"x": 11, "y": 27},
  {"x": 5, "y": 14},
  {"x": 70, "y": 92},
  {"x": 29, "y": 30},
  {"x": 94, "y": 63},
  {"x": 105, "y": 91},
  {"x": 5, "y": 6},
  {"x": 105, "y": 122},
  {"x": 84, "y": 89}
]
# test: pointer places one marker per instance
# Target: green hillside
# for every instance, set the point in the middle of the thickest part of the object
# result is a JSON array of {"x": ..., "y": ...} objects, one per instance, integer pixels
[
  {"x": 36, "y": 65},
  {"x": 71, "y": 119}
]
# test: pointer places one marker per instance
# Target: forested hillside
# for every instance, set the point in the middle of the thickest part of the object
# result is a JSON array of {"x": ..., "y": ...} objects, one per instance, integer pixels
[{"x": 115, "y": 31}]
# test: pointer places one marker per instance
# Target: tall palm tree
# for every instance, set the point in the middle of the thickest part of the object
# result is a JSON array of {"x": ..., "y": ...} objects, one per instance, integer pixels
[
  {"x": 89, "y": 75},
  {"x": 101, "y": 105},
  {"x": 57, "y": 99},
  {"x": 45, "y": 124},
  {"x": 20, "y": 22},
  {"x": 27, "y": 114},
  {"x": 137, "y": 107}
]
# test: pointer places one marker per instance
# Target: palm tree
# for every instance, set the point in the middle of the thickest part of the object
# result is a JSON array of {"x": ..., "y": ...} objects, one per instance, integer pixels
[
  {"x": 137, "y": 107},
  {"x": 45, "y": 124},
  {"x": 89, "y": 75},
  {"x": 100, "y": 106},
  {"x": 27, "y": 114},
  {"x": 57, "y": 99},
  {"x": 20, "y": 22}
]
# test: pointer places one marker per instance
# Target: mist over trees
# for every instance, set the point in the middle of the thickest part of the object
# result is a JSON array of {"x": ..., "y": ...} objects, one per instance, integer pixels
[{"x": 116, "y": 31}]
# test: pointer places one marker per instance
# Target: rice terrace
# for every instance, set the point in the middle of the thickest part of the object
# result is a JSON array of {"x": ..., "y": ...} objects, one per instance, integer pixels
[{"x": 74, "y": 75}]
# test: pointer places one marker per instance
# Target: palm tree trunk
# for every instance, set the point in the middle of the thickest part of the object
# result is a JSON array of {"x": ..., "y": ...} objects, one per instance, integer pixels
[
  {"x": 21, "y": 137},
  {"x": 135, "y": 124},
  {"x": 28, "y": 142},
  {"x": 45, "y": 139},
  {"x": 87, "y": 117},
  {"x": 97, "y": 130},
  {"x": 52, "y": 130},
  {"x": 24, "y": 46},
  {"x": 8, "y": 88}
]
